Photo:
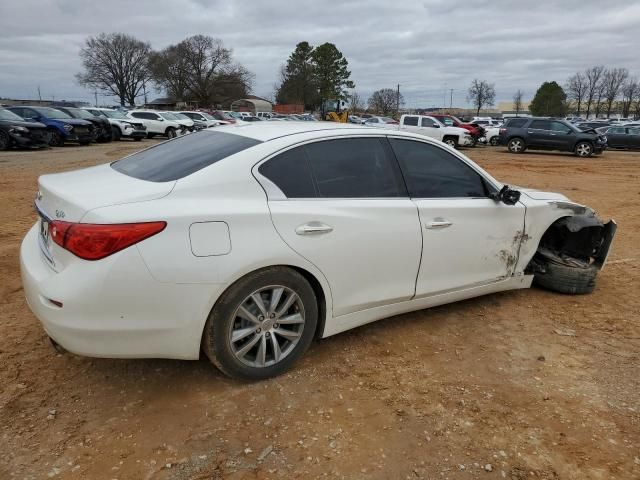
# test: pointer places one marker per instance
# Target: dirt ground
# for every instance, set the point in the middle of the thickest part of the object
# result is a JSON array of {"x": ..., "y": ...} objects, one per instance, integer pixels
[{"x": 520, "y": 385}]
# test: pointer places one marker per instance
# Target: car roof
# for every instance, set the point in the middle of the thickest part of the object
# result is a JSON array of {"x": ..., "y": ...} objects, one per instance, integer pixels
[{"x": 265, "y": 131}]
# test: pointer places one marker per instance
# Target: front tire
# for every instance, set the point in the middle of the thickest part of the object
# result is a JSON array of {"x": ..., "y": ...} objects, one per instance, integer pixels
[
  {"x": 493, "y": 141},
  {"x": 116, "y": 134},
  {"x": 584, "y": 149},
  {"x": 55, "y": 139},
  {"x": 451, "y": 141},
  {"x": 516, "y": 145},
  {"x": 171, "y": 132},
  {"x": 5, "y": 142},
  {"x": 262, "y": 324},
  {"x": 570, "y": 279}
]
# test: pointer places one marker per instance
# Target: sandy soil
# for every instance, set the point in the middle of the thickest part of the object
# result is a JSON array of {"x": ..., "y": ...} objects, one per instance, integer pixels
[{"x": 480, "y": 389}]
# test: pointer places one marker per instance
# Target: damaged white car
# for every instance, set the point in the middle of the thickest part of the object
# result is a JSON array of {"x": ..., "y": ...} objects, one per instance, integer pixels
[{"x": 248, "y": 241}]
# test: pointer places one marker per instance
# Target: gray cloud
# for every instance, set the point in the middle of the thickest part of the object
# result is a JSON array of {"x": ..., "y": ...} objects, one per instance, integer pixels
[{"x": 428, "y": 47}]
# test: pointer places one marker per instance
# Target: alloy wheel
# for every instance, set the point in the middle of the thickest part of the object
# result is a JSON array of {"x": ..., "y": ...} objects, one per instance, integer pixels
[
  {"x": 267, "y": 326},
  {"x": 583, "y": 150},
  {"x": 515, "y": 145}
]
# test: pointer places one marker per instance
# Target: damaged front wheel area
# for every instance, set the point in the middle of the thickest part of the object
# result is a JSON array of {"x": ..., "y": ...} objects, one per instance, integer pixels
[
  {"x": 571, "y": 253},
  {"x": 558, "y": 275}
]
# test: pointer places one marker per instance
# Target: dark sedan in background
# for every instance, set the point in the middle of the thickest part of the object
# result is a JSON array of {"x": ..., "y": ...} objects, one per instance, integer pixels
[
  {"x": 101, "y": 126},
  {"x": 16, "y": 132},
  {"x": 622, "y": 137}
]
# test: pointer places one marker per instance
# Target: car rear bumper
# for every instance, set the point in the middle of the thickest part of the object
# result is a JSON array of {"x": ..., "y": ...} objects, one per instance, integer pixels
[{"x": 114, "y": 307}]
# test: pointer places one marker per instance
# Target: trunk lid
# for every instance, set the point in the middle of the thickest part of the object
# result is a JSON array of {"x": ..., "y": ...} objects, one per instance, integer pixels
[{"x": 69, "y": 196}]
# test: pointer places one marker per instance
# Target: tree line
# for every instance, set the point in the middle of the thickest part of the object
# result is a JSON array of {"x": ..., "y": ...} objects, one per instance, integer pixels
[
  {"x": 199, "y": 69},
  {"x": 601, "y": 90}
]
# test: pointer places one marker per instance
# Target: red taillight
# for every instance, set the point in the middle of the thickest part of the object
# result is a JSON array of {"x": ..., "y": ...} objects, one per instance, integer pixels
[
  {"x": 502, "y": 130},
  {"x": 91, "y": 241}
]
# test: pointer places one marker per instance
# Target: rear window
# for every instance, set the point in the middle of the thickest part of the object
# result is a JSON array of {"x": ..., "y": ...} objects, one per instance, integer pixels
[
  {"x": 516, "y": 122},
  {"x": 182, "y": 156}
]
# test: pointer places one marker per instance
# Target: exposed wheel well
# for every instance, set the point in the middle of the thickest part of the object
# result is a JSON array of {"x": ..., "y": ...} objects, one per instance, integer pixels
[{"x": 579, "y": 237}]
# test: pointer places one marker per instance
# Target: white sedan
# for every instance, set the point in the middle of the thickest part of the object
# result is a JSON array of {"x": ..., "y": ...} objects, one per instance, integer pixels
[{"x": 249, "y": 241}]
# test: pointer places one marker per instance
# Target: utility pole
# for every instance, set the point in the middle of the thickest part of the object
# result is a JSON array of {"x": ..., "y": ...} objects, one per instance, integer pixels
[
  {"x": 95, "y": 96},
  {"x": 144, "y": 90},
  {"x": 398, "y": 100},
  {"x": 39, "y": 96},
  {"x": 451, "y": 100}
]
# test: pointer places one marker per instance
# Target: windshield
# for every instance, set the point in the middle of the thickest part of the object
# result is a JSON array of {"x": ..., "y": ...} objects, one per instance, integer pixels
[
  {"x": 181, "y": 116},
  {"x": 51, "y": 112},
  {"x": 79, "y": 113},
  {"x": 206, "y": 115},
  {"x": 7, "y": 115},
  {"x": 456, "y": 119},
  {"x": 115, "y": 114},
  {"x": 387, "y": 120},
  {"x": 167, "y": 116}
]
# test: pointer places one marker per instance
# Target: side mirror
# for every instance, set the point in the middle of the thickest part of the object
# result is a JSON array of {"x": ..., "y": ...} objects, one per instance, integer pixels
[
  {"x": 507, "y": 196},
  {"x": 435, "y": 125},
  {"x": 161, "y": 119}
]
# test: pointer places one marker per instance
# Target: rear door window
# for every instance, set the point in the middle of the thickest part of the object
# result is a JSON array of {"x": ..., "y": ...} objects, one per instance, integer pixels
[
  {"x": 540, "y": 125},
  {"x": 290, "y": 172},
  {"x": 411, "y": 121},
  {"x": 516, "y": 123},
  {"x": 182, "y": 156},
  {"x": 354, "y": 168}
]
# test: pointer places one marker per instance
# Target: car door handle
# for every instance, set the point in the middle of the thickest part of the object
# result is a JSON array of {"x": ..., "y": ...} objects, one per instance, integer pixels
[
  {"x": 314, "y": 228},
  {"x": 437, "y": 224}
]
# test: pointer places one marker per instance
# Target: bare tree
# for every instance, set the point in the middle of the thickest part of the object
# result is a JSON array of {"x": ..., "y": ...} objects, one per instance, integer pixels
[
  {"x": 517, "y": 101},
  {"x": 600, "y": 96},
  {"x": 385, "y": 101},
  {"x": 630, "y": 90},
  {"x": 115, "y": 63},
  {"x": 594, "y": 79},
  {"x": 481, "y": 94},
  {"x": 201, "y": 69},
  {"x": 576, "y": 89},
  {"x": 356, "y": 102},
  {"x": 613, "y": 81}
]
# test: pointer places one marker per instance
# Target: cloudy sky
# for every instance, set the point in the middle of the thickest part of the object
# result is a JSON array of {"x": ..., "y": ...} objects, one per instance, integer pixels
[{"x": 428, "y": 47}]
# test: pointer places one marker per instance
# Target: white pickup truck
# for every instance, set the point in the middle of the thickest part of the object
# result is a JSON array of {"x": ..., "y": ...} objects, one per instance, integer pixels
[{"x": 431, "y": 127}]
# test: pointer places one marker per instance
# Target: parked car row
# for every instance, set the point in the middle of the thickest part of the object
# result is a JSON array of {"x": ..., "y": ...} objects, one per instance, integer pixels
[{"x": 41, "y": 126}]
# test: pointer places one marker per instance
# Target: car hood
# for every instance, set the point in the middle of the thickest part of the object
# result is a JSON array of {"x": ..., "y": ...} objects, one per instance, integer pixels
[
  {"x": 455, "y": 130},
  {"x": 73, "y": 121},
  {"x": 22, "y": 123},
  {"x": 541, "y": 195}
]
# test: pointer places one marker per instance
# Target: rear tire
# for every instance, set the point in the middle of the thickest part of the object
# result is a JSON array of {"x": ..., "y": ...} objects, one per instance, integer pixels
[
  {"x": 516, "y": 145},
  {"x": 137, "y": 139},
  {"x": 572, "y": 280},
  {"x": 228, "y": 320}
]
